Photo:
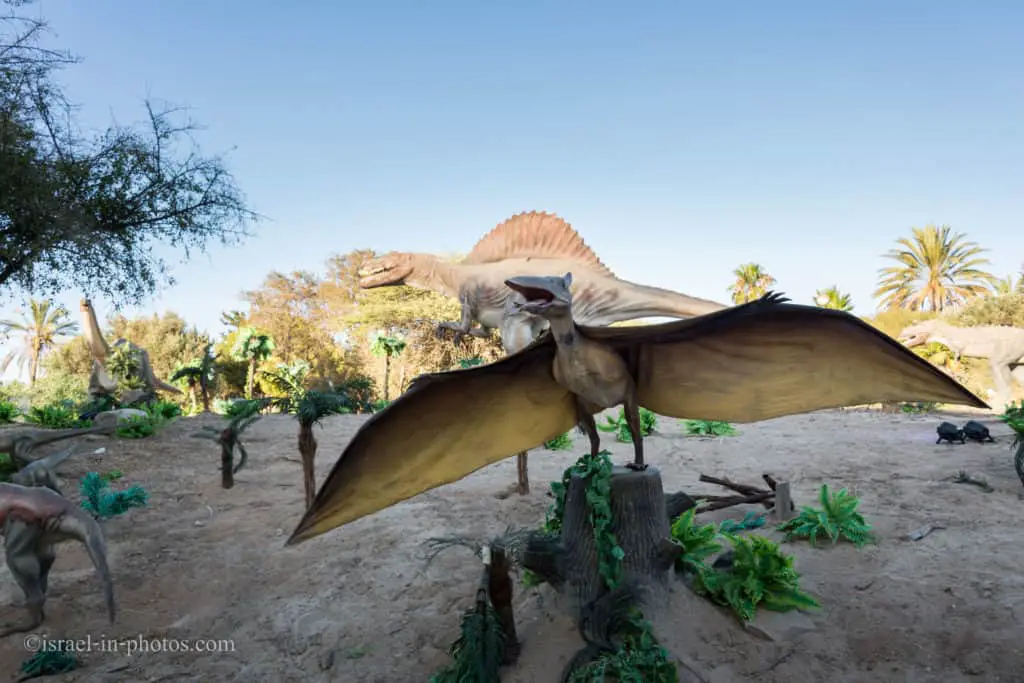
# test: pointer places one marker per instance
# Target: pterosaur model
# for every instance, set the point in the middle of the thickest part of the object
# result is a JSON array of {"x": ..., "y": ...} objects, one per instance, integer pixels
[{"x": 760, "y": 360}]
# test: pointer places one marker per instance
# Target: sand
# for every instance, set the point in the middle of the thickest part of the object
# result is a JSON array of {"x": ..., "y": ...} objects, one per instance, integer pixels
[{"x": 360, "y": 603}]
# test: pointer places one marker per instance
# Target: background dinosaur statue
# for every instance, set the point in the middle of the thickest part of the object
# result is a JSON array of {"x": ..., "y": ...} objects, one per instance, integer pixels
[
  {"x": 1003, "y": 346},
  {"x": 100, "y": 382},
  {"x": 529, "y": 243},
  {"x": 19, "y": 443}
]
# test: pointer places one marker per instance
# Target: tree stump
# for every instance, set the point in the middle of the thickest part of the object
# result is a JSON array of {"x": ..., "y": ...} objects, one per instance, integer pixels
[{"x": 641, "y": 527}]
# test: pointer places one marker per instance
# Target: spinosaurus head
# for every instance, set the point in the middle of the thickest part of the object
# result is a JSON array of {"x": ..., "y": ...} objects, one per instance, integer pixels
[
  {"x": 544, "y": 295},
  {"x": 918, "y": 333},
  {"x": 388, "y": 270}
]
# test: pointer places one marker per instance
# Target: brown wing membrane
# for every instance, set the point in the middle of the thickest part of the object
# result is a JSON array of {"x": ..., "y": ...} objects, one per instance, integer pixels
[
  {"x": 766, "y": 359},
  {"x": 444, "y": 427}
]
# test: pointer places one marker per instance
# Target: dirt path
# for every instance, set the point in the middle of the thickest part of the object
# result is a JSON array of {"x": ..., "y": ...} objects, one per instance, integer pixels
[{"x": 358, "y": 604}]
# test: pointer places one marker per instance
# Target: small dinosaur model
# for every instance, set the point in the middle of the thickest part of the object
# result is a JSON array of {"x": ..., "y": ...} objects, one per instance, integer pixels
[
  {"x": 19, "y": 443},
  {"x": 34, "y": 519},
  {"x": 1003, "y": 346},
  {"x": 42, "y": 472},
  {"x": 752, "y": 362},
  {"x": 100, "y": 382},
  {"x": 529, "y": 243}
]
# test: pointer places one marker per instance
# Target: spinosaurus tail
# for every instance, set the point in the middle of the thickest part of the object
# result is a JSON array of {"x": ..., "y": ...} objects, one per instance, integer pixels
[{"x": 77, "y": 524}]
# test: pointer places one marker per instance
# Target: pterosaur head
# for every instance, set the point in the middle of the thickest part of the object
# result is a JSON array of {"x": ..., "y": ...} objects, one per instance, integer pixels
[
  {"x": 544, "y": 294},
  {"x": 391, "y": 269},
  {"x": 918, "y": 333}
]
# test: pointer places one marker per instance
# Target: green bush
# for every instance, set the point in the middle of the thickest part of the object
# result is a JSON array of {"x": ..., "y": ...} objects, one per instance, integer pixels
[
  {"x": 9, "y": 411},
  {"x": 56, "y": 416}
]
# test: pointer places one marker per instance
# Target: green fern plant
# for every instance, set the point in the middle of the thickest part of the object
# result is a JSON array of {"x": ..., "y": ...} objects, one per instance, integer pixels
[
  {"x": 139, "y": 427},
  {"x": 478, "y": 652},
  {"x": 56, "y": 416},
  {"x": 837, "y": 518},
  {"x": 102, "y": 502},
  {"x": 562, "y": 442},
  {"x": 697, "y": 542},
  {"x": 648, "y": 423},
  {"x": 761, "y": 575},
  {"x": 708, "y": 428}
]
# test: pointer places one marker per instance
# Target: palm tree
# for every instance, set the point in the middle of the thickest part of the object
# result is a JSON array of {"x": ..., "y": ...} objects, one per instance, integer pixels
[
  {"x": 937, "y": 269},
  {"x": 253, "y": 347},
  {"x": 387, "y": 347},
  {"x": 229, "y": 439},
  {"x": 1008, "y": 285},
  {"x": 309, "y": 407},
  {"x": 831, "y": 297},
  {"x": 752, "y": 282},
  {"x": 198, "y": 373},
  {"x": 40, "y": 329}
]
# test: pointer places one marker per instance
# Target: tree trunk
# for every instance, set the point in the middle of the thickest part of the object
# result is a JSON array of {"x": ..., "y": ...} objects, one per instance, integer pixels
[
  {"x": 227, "y": 464},
  {"x": 250, "y": 379},
  {"x": 640, "y": 524},
  {"x": 1018, "y": 460},
  {"x": 33, "y": 365},
  {"x": 206, "y": 400},
  {"x": 307, "y": 450},
  {"x": 192, "y": 397},
  {"x": 387, "y": 374}
]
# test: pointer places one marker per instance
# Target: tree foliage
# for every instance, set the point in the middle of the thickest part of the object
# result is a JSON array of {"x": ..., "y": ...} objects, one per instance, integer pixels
[
  {"x": 84, "y": 211},
  {"x": 936, "y": 269},
  {"x": 752, "y": 282}
]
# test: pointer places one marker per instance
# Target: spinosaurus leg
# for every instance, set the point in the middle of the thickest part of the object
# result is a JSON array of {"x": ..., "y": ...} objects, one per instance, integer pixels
[{"x": 1002, "y": 375}]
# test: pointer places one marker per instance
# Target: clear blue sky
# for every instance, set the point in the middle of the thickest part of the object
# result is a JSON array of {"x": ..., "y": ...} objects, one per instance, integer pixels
[{"x": 680, "y": 139}]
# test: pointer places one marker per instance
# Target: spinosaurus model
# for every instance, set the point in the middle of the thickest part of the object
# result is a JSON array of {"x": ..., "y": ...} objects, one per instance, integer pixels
[
  {"x": 1003, "y": 346},
  {"x": 529, "y": 243},
  {"x": 34, "y": 519},
  {"x": 533, "y": 242},
  {"x": 760, "y": 360},
  {"x": 100, "y": 383}
]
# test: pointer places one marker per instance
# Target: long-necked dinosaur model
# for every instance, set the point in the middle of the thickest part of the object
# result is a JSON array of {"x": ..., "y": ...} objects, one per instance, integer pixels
[
  {"x": 19, "y": 443},
  {"x": 34, "y": 519},
  {"x": 1003, "y": 346},
  {"x": 100, "y": 383},
  {"x": 530, "y": 243},
  {"x": 752, "y": 362}
]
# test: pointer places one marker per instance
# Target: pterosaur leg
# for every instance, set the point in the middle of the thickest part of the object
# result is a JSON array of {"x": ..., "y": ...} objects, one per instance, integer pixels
[
  {"x": 585, "y": 419},
  {"x": 632, "y": 410}
]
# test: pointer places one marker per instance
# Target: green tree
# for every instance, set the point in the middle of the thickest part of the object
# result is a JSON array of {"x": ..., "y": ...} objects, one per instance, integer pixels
[
  {"x": 752, "y": 282},
  {"x": 84, "y": 211},
  {"x": 389, "y": 347},
  {"x": 252, "y": 347},
  {"x": 831, "y": 297},
  {"x": 936, "y": 269},
  {"x": 309, "y": 408},
  {"x": 40, "y": 330},
  {"x": 198, "y": 373}
]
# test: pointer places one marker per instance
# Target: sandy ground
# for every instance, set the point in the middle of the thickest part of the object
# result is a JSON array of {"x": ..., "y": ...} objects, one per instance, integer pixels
[{"x": 359, "y": 604}]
